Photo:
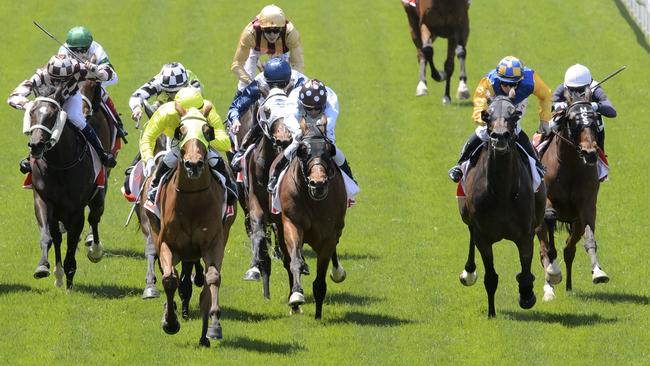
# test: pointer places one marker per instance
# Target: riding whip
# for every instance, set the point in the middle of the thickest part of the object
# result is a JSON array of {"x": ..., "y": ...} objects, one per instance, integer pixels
[
  {"x": 608, "y": 77},
  {"x": 57, "y": 41}
]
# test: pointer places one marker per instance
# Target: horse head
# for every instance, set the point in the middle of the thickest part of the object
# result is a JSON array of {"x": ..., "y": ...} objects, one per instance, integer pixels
[
  {"x": 46, "y": 122},
  {"x": 315, "y": 153},
  {"x": 501, "y": 120},
  {"x": 194, "y": 134},
  {"x": 90, "y": 91},
  {"x": 270, "y": 116},
  {"x": 580, "y": 123}
]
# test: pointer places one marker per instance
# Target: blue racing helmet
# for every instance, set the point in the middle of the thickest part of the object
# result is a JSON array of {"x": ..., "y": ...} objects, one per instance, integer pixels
[
  {"x": 277, "y": 71},
  {"x": 510, "y": 70}
]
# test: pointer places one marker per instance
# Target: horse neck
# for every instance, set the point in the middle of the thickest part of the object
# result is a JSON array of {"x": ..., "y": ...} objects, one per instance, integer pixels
[
  {"x": 502, "y": 171},
  {"x": 66, "y": 148}
]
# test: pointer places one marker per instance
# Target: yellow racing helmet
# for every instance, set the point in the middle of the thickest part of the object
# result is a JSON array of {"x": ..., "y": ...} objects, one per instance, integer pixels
[
  {"x": 189, "y": 97},
  {"x": 272, "y": 16}
]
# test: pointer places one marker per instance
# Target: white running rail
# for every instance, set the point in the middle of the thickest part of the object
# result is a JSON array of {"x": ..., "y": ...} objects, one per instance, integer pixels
[{"x": 640, "y": 11}]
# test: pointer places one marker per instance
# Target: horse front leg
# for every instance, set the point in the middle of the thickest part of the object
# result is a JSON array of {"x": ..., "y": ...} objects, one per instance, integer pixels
[
  {"x": 525, "y": 278},
  {"x": 547, "y": 250},
  {"x": 491, "y": 278},
  {"x": 210, "y": 308},
  {"x": 57, "y": 238},
  {"x": 293, "y": 263},
  {"x": 261, "y": 261},
  {"x": 319, "y": 286},
  {"x": 461, "y": 54},
  {"x": 170, "y": 322},
  {"x": 185, "y": 288},
  {"x": 468, "y": 276},
  {"x": 75, "y": 228},
  {"x": 414, "y": 24},
  {"x": 43, "y": 218},
  {"x": 577, "y": 229},
  {"x": 95, "y": 248},
  {"x": 449, "y": 69},
  {"x": 150, "y": 290},
  {"x": 597, "y": 274}
]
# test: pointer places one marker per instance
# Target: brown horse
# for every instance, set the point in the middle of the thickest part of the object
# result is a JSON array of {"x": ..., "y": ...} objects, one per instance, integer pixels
[
  {"x": 431, "y": 19},
  {"x": 501, "y": 204},
  {"x": 572, "y": 183},
  {"x": 63, "y": 182},
  {"x": 313, "y": 200},
  {"x": 191, "y": 225},
  {"x": 276, "y": 137}
]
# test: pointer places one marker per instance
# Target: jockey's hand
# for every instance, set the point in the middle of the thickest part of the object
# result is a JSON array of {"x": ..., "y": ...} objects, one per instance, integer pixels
[
  {"x": 148, "y": 168},
  {"x": 235, "y": 125},
  {"x": 27, "y": 105},
  {"x": 595, "y": 106},
  {"x": 137, "y": 113},
  {"x": 559, "y": 105},
  {"x": 90, "y": 66}
]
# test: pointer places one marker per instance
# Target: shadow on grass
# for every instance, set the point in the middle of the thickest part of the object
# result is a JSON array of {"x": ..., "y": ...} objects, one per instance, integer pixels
[
  {"x": 366, "y": 319},
  {"x": 613, "y": 298},
  {"x": 262, "y": 346},
  {"x": 235, "y": 314},
  {"x": 350, "y": 299},
  {"x": 568, "y": 320},
  {"x": 308, "y": 253},
  {"x": 129, "y": 253},
  {"x": 106, "y": 291},
  {"x": 8, "y": 288},
  {"x": 640, "y": 37}
]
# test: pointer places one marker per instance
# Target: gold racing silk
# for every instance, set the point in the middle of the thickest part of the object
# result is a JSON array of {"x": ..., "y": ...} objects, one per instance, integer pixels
[{"x": 166, "y": 119}]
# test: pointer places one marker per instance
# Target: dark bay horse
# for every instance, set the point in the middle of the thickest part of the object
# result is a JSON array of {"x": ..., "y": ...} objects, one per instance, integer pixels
[
  {"x": 191, "y": 225},
  {"x": 572, "y": 184},
  {"x": 276, "y": 137},
  {"x": 431, "y": 19},
  {"x": 313, "y": 200},
  {"x": 501, "y": 204},
  {"x": 63, "y": 182}
]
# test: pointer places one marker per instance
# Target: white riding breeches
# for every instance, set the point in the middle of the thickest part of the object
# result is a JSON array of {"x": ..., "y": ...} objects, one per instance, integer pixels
[{"x": 74, "y": 109}]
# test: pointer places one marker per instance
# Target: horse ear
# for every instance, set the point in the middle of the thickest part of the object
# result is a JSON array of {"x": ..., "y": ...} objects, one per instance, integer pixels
[
  {"x": 179, "y": 108},
  {"x": 567, "y": 96},
  {"x": 588, "y": 94},
  {"x": 177, "y": 133},
  {"x": 303, "y": 152},
  {"x": 207, "y": 108},
  {"x": 208, "y": 132},
  {"x": 485, "y": 116}
]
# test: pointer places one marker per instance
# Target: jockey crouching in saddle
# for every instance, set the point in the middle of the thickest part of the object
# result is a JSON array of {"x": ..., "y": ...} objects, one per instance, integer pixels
[
  {"x": 277, "y": 74},
  {"x": 269, "y": 33},
  {"x": 165, "y": 120},
  {"x": 512, "y": 79},
  {"x": 64, "y": 74},
  {"x": 313, "y": 102},
  {"x": 80, "y": 41},
  {"x": 576, "y": 80}
]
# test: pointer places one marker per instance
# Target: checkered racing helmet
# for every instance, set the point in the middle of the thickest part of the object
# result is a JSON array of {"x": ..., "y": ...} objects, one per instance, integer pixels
[
  {"x": 313, "y": 94},
  {"x": 510, "y": 70},
  {"x": 60, "y": 67},
  {"x": 174, "y": 77}
]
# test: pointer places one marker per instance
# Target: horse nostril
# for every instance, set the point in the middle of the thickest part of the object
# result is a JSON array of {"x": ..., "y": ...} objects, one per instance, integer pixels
[
  {"x": 187, "y": 165},
  {"x": 506, "y": 135}
]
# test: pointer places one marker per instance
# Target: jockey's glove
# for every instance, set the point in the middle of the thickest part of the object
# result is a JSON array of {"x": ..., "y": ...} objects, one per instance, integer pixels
[{"x": 148, "y": 167}]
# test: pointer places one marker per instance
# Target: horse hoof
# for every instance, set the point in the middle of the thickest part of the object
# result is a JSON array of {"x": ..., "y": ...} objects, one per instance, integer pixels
[
  {"x": 549, "y": 294},
  {"x": 462, "y": 94},
  {"x": 552, "y": 273},
  {"x": 41, "y": 271},
  {"x": 205, "y": 342},
  {"x": 89, "y": 239},
  {"x": 215, "y": 332},
  {"x": 338, "y": 275},
  {"x": 150, "y": 292},
  {"x": 253, "y": 274},
  {"x": 468, "y": 279},
  {"x": 421, "y": 89},
  {"x": 295, "y": 310},
  {"x": 527, "y": 303},
  {"x": 172, "y": 327},
  {"x": 296, "y": 299},
  {"x": 599, "y": 276},
  {"x": 185, "y": 312},
  {"x": 446, "y": 100},
  {"x": 95, "y": 252}
]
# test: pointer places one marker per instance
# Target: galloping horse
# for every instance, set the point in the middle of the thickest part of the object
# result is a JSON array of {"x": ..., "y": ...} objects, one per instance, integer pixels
[
  {"x": 63, "y": 182},
  {"x": 191, "y": 225},
  {"x": 572, "y": 183},
  {"x": 276, "y": 137},
  {"x": 430, "y": 19},
  {"x": 313, "y": 200},
  {"x": 501, "y": 204}
]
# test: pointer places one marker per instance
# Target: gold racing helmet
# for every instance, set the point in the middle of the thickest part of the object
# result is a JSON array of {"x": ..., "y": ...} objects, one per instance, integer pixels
[
  {"x": 272, "y": 16},
  {"x": 189, "y": 97}
]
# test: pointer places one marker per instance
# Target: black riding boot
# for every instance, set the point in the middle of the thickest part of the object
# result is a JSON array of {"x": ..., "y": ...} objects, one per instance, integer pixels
[
  {"x": 107, "y": 158},
  {"x": 600, "y": 139},
  {"x": 472, "y": 143},
  {"x": 345, "y": 167},
  {"x": 25, "y": 165},
  {"x": 251, "y": 136},
  {"x": 231, "y": 187},
  {"x": 279, "y": 167},
  {"x": 523, "y": 140},
  {"x": 153, "y": 188},
  {"x": 121, "y": 131}
]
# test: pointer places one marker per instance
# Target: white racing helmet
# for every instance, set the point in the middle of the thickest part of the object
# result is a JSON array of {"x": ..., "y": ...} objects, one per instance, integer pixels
[
  {"x": 174, "y": 77},
  {"x": 577, "y": 76}
]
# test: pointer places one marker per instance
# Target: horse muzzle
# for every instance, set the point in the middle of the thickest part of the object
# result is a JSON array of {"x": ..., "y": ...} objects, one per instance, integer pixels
[
  {"x": 501, "y": 143},
  {"x": 589, "y": 156},
  {"x": 193, "y": 169},
  {"x": 37, "y": 149},
  {"x": 317, "y": 189}
]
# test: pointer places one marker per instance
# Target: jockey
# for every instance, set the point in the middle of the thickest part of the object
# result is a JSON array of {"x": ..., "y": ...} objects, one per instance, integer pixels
[
  {"x": 510, "y": 78},
  {"x": 577, "y": 78},
  {"x": 313, "y": 102},
  {"x": 165, "y": 120},
  {"x": 80, "y": 41},
  {"x": 164, "y": 86},
  {"x": 64, "y": 74},
  {"x": 277, "y": 74},
  {"x": 269, "y": 33}
]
